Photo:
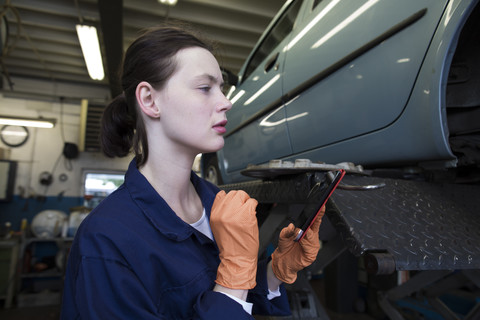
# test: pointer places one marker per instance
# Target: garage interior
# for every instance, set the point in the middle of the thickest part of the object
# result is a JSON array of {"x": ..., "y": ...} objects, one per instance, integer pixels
[{"x": 44, "y": 75}]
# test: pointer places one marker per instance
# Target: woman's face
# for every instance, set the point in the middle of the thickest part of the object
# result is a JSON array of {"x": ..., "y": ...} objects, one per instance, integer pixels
[{"x": 192, "y": 105}]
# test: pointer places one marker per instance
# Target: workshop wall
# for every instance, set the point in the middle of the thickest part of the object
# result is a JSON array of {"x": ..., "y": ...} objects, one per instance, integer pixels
[{"x": 42, "y": 156}]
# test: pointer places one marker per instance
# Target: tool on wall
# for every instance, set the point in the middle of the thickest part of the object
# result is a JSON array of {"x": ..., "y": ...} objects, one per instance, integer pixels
[{"x": 46, "y": 178}]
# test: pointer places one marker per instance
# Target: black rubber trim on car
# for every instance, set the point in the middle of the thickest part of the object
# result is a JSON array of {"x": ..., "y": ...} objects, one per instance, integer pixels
[{"x": 330, "y": 70}]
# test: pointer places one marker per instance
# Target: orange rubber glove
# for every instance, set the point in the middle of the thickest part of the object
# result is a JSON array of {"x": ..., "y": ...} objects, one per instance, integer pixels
[
  {"x": 234, "y": 226},
  {"x": 290, "y": 256}
]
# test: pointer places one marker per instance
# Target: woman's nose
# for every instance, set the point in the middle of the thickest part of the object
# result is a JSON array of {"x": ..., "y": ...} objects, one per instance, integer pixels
[{"x": 224, "y": 104}]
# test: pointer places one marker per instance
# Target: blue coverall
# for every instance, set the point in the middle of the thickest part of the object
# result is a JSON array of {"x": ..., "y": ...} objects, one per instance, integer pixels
[{"x": 133, "y": 258}]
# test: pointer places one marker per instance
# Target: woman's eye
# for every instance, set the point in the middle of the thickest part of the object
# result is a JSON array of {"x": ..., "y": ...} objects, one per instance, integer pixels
[{"x": 205, "y": 89}]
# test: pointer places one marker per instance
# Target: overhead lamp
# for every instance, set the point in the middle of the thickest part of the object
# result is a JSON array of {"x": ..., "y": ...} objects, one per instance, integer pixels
[
  {"x": 28, "y": 122},
  {"x": 87, "y": 35},
  {"x": 168, "y": 2}
]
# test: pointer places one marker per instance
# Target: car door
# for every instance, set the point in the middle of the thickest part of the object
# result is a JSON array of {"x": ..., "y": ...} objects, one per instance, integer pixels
[
  {"x": 256, "y": 129},
  {"x": 351, "y": 69}
]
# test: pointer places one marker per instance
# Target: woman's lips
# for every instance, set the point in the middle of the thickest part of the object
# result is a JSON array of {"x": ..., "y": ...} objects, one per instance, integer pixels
[{"x": 220, "y": 127}]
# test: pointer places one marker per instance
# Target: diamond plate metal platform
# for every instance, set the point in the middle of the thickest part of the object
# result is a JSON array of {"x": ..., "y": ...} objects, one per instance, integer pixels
[
  {"x": 418, "y": 225},
  {"x": 424, "y": 226}
]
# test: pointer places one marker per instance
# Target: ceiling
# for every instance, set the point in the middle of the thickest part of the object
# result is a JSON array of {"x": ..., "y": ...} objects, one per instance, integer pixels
[{"x": 42, "y": 58}]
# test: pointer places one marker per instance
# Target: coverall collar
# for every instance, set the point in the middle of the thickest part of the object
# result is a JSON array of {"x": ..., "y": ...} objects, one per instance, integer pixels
[{"x": 157, "y": 210}]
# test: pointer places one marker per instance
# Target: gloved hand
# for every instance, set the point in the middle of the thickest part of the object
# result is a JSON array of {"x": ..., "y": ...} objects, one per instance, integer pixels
[
  {"x": 234, "y": 226},
  {"x": 290, "y": 256}
]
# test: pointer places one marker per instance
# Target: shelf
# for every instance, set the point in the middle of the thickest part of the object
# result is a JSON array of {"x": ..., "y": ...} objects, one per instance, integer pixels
[{"x": 41, "y": 287}]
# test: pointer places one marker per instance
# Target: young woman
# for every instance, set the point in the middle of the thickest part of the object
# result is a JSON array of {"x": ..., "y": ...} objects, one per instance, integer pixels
[{"x": 167, "y": 244}]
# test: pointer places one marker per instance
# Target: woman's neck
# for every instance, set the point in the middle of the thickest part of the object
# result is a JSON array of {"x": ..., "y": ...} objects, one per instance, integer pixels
[{"x": 171, "y": 179}]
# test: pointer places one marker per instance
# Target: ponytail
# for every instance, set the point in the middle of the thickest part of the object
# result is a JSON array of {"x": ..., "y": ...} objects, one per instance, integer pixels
[{"x": 117, "y": 128}]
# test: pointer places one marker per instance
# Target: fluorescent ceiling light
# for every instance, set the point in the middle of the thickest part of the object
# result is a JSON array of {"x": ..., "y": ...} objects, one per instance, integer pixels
[
  {"x": 28, "y": 122},
  {"x": 87, "y": 35},
  {"x": 168, "y": 2}
]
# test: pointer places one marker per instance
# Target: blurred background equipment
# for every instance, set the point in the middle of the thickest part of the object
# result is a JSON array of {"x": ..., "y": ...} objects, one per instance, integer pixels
[{"x": 48, "y": 223}]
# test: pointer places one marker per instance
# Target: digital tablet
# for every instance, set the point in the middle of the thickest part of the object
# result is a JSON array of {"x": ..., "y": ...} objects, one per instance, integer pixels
[{"x": 317, "y": 198}]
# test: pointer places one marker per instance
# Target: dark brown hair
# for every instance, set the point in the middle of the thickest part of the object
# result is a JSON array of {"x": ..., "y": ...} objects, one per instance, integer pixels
[{"x": 149, "y": 58}]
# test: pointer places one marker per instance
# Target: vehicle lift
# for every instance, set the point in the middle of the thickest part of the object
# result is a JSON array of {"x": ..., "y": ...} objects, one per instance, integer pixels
[{"x": 392, "y": 225}]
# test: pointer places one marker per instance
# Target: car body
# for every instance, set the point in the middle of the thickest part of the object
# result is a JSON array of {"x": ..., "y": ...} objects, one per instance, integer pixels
[{"x": 379, "y": 83}]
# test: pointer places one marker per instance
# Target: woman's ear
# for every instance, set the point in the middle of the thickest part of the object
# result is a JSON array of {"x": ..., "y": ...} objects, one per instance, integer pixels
[{"x": 145, "y": 98}]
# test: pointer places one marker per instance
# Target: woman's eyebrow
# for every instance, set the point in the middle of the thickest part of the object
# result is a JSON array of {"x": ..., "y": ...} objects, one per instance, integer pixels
[{"x": 210, "y": 77}]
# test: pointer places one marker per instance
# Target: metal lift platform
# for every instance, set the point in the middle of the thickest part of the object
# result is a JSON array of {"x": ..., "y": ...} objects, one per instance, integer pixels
[{"x": 393, "y": 224}]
